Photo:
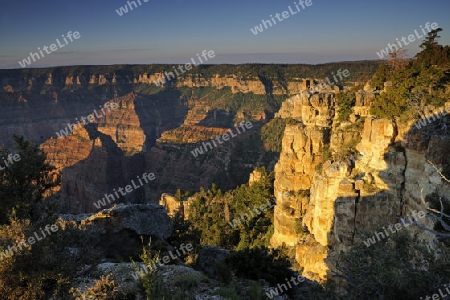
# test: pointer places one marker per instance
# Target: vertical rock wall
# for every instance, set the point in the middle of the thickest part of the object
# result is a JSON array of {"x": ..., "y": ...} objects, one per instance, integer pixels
[{"x": 325, "y": 204}]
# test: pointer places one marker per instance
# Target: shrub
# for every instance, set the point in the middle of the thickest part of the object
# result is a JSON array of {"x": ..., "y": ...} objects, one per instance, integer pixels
[
  {"x": 427, "y": 73},
  {"x": 260, "y": 263},
  {"x": 299, "y": 226},
  {"x": 189, "y": 280},
  {"x": 272, "y": 134},
  {"x": 370, "y": 187},
  {"x": 227, "y": 293},
  {"x": 389, "y": 105},
  {"x": 326, "y": 153},
  {"x": 255, "y": 291},
  {"x": 345, "y": 102},
  {"x": 347, "y": 149},
  {"x": 380, "y": 77},
  {"x": 151, "y": 283},
  {"x": 37, "y": 272},
  {"x": 183, "y": 232},
  {"x": 104, "y": 288},
  {"x": 223, "y": 272},
  {"x": 401, "y": 266}
]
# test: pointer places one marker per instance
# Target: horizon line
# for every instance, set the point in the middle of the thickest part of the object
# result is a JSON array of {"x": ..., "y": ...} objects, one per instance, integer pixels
[{"x": 212, "y": 64}]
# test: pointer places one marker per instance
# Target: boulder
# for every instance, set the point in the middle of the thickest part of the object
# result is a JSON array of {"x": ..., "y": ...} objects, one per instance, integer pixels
[{"x": 149, "y": 219}]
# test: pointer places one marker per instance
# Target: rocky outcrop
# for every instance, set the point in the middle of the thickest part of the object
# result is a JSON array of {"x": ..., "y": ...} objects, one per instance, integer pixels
[
  {"x": 121, "y": 274},
  {"x": 115, "y": 234},
  {"x": 124, "y": 126},
  {"x": 141, "y": 135},
  {"x": 149, "y": 220},
  {"x": 255, "y": 176},
  {"x": 326, "y": 204},
  {"x": 79, "y": 144},
  {"x": 312, "y": 108},
  {"x": 87, "y": 159},
  {"x": 177, "y": 168},
  {"x": 237, "y": 85},
  {"x": 149, "y": 78},
  {"x": 122, "y": 79},
  {"x": 178, "y": 280},
  {"x": 171, "y": 204},
  {"x": 302, "y": 152},
  {"x": 364, "y": 100}
]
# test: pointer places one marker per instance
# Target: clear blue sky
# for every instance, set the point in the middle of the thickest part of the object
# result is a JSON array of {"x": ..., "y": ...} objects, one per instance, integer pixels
[{"x": 175, "y": 31}]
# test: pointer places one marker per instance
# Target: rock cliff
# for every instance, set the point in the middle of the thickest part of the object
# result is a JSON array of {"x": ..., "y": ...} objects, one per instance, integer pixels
[
  {"x": 301, "y": 153},
  {"x": 327, "y": 198},
  {"x": 118, "y": 80},
  {"x": 155, "y": 128},
  {"x": 108, "y": 153}
]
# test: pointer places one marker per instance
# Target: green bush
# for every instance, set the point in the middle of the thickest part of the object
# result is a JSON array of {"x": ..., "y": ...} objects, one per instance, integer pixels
[
  {"x": 43, "y": 269},
  {"x": 299, "y": 226},
  {"x": 229, "y": 231},
  {"x": 380, "y": 77},
  {"x": 224, "y": 273},
  {"x": 152, "y": 283},
  {"x": 400, "y": 265},
  {"x": 346, "y": 150},
  {"x": 184, "y": 232},
  {"x": 188, "y": 281},
  {"x": 389, "y": 105},
  {"x": 260, "y": 263},
  {"x": 255, "y": 291},
  {"x": 345, "y": 102},
  {"x": 272, "y": 134},
  {"x": 326, "y": 153},
  {"x": 149, "y": 279},
  {"x": 228, "y": 294}
]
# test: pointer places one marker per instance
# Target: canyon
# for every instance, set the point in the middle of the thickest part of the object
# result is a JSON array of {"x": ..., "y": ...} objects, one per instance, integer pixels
[
  {"x": 153, "y": 129},
  {"x": 326, "y": 198}
]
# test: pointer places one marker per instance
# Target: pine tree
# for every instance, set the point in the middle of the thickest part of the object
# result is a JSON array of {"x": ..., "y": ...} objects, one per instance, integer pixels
[{"x": 26, "y": 182}]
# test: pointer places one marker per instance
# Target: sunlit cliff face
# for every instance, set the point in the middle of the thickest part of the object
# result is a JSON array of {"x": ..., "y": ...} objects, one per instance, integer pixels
[{"x": 323, "y": 207}]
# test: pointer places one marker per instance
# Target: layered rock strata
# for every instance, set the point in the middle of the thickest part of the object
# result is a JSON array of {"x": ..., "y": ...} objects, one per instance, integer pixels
[{"x": 325, "y": 204}]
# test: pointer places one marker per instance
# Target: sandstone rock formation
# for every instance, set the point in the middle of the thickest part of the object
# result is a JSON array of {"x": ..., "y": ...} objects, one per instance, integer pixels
[
  {"x": 301, "y": 152},
  {"x": 121, "y": 80},
  {"x": 255, "y": 176},
  {"x": 363, "y": 101},
  {"x": 108, "y": 153},
  {"x": 326, "y": 204},
  {"x": 171, "y": 205},
  {"x": 312, "y": 108}
]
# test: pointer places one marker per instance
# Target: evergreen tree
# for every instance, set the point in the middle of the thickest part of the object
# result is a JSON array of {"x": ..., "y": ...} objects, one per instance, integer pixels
[
  {"x": 380, "y": 77},
  {"x": 428, "y": 75},
  {"x": 26, "y": 182}
]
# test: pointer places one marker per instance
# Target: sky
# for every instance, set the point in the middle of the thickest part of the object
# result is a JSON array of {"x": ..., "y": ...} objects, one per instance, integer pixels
[{"x": 173, "y": 32}]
